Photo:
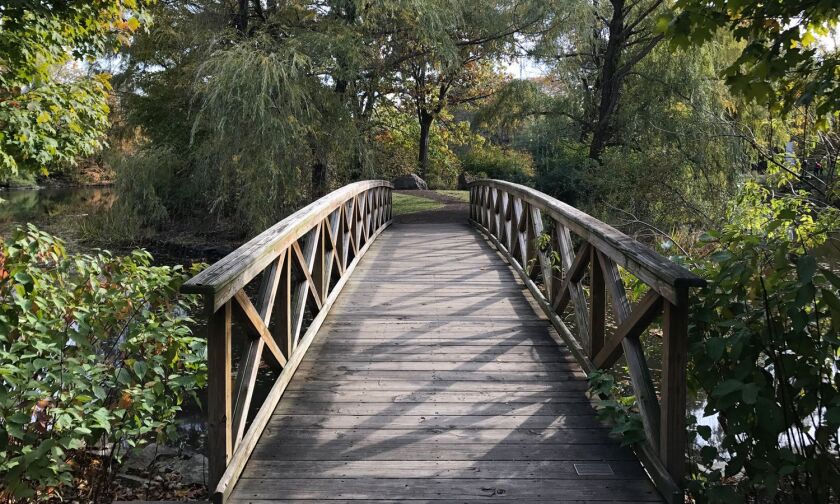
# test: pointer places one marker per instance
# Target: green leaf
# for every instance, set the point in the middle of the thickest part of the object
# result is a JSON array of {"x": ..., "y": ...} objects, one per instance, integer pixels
[
  {"x": 727, "y": 387},
  {"x": 140, "y": 369},
  {"x": 749, "y": 393},
  {"x": 806, "y": 267}
]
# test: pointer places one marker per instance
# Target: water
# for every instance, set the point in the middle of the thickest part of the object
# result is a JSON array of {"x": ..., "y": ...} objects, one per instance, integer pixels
[{"x": 55, "y": 209}]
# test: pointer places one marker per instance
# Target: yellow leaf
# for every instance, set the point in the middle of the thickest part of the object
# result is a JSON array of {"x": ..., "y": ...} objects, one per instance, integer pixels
[{"x": 43, "y": 117}]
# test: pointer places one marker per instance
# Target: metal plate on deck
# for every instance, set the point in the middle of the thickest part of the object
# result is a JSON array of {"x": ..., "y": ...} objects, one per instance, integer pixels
[{"x": 593, "y": 470}]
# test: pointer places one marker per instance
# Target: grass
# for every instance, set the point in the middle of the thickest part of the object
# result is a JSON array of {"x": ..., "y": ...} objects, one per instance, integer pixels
[
  {"x": 459, "y": 195},
  {"x": 406, "y": 204}
]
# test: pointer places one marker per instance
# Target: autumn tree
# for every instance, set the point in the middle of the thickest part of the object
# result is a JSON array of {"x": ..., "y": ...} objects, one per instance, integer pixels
[
  {"x": 450, "y": 64},
  {"x": 52, "y": 111}
]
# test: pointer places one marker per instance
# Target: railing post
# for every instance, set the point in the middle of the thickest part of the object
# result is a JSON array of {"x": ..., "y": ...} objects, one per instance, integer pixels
[
  {"x": 219, "y": 394},
  {"x": 672, "y": 440},
  {"x": 598, "y": 305}
]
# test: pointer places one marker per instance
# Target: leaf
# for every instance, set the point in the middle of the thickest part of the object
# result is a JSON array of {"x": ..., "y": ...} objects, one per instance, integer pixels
[
  {"x": 749, "y": 393},
  {"x": 140, "y": 369},
  {"x": 727, "y": 387},
  {"x": 806, "y": 267}
]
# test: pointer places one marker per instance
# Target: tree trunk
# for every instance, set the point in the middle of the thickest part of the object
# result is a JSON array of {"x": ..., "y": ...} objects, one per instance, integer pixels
[
  {"x": 319, "y": 178},
  {"x": 426, "y": 120},
  {"x": 241, "y": 22},
  {"x": 610, "y": 82}
]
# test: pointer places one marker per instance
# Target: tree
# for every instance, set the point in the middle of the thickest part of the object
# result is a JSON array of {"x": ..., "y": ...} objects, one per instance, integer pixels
[
  {"x": 600, "y": 45},
  {"x": 781, "y": 65},
  {"x": 48, "y": 116},
  {"x": 449, "y": 65}
]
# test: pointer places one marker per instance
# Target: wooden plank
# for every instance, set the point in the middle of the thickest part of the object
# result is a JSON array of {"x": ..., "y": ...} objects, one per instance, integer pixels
[
  {"x": 258, "y": 325},
  {"x": 437, "y": 396},
  {"x": 447, "y": 489},
  {"x": 305, "y": 383},
  {"x": 238, "y": 460},
  {"x": 447, "y": 451},
  {"x": 321, "y": 435},
  {"x": 440, "y": 422},
  {"x": 477, "y": 376},
  {"x": 219, "y": 393},
  {"x": 673, "y": 441},
  {"x": 640, "y": 318},
  {"x": 597, "y": 306},
  {"x": 420, "y": 469},
  {"x": 451, "y": 366},
  {"x": 303, "y": 407}
]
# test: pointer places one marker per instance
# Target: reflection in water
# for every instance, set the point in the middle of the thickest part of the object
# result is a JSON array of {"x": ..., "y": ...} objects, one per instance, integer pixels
[{"x": 44, "y": 206}]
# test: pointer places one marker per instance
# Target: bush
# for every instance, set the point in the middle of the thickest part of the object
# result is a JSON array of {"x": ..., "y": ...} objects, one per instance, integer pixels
[
  {"x": 495, "y": 162},
  {"x": 95, "y": 352},
  {"x": 764, "y": 355}
]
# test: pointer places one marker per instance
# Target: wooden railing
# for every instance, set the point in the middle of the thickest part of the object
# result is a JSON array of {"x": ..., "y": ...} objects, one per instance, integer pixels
[
  {"x": 514, "y": 217},
  {"x": 302, "y": 263}
]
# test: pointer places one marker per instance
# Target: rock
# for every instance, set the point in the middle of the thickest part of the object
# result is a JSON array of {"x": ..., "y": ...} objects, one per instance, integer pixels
[
  {"x": 463, "y": 181},
  {"x": 141, "y": 459},
  {"x": 410, "y": 182},
  {"x": 193, "y": 469}
]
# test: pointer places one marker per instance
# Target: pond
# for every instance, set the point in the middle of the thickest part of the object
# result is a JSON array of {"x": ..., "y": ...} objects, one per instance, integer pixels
[{"x": 55, "y": 209}]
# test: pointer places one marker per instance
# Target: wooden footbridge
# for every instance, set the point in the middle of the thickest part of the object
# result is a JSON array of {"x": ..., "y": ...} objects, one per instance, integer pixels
[{"x": 438, "y": 361}]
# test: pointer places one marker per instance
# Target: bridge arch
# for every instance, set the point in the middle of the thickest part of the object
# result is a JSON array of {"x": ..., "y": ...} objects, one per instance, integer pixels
[{"x": 296, "y": 269}]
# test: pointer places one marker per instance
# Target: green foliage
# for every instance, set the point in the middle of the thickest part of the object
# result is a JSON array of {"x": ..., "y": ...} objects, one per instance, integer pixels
[
  {"x": 616, "y": 406},
  {"x": 397, "y": 148},
  {"x": 47, "y": 118},
  {"x": 491, "y": 161},
  {"x": 95, "y": 351},
  {"x": 781, "y": 64},
  {"x": 764, "y": 353}
]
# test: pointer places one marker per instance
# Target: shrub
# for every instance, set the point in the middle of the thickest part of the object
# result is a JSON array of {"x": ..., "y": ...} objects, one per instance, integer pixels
[
  {"x": 95, "y": 352},
  {"x": 764, "y": 355},
  {"x": 499, "y": 163}
]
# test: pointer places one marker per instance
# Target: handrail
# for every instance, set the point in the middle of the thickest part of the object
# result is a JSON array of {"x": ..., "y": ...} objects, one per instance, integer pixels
[
  {"x": 304, "y": 262},
  {"x": 513, "y": 216}
]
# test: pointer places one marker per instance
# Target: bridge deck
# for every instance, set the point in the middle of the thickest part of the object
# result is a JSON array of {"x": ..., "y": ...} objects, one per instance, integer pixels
[{"x": 434, "y": 379}]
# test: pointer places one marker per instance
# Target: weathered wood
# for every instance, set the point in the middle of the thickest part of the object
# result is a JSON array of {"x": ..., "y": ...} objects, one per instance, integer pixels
[
  {"x": 258, "y": 325},
  {"x": 219, "y": 393},
  {"x": 605, "y": 249},
  {"x": 573, "y": 274},
  {"x": 597, "y": 307},
  {"x": 421, "y": 469},
  {"x": 249, "y": 441},
  {"x": 634, "y": 354},
  {"x": 462, "y": 385},
  {"x": 661, "y": 274},
  {"x": 453, "y": 490},
  {"x": 640, "y": 318},
  {"x": 224, "y": 278},
  {"x": 672, "y": 443}
]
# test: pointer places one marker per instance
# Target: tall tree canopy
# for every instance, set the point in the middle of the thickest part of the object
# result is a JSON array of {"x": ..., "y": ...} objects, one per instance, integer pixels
[
  {"x": 781, "y": 64},
  {"x": 48, "y": 116}
]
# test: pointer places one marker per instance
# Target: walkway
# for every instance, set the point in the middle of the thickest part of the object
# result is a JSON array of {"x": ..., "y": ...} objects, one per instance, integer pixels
[{"x": 434, "y": 378}]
